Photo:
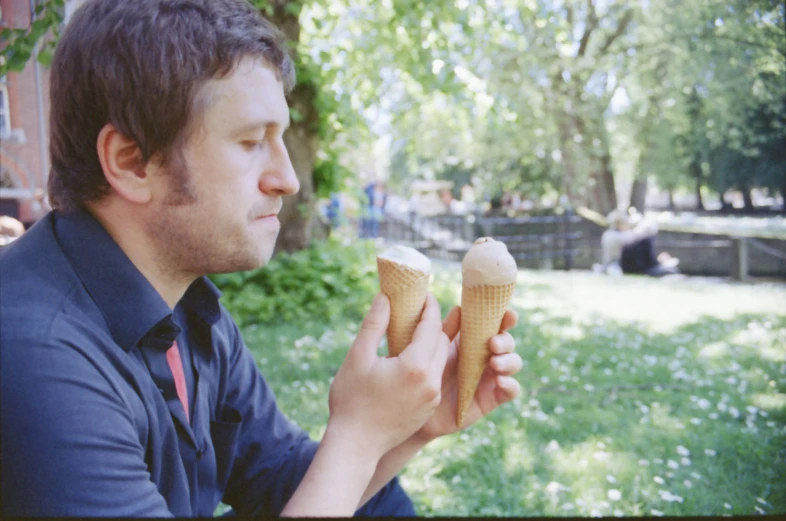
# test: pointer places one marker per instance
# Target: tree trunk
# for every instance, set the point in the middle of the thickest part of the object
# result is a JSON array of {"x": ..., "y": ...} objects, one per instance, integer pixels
[
  {"x": 672, "y": 206},
  {"x": 638, "y": 193},
  {"x": 699, "y": 201},
  {"x": 302, "y": 142},
  {"x": 747, "y": 197},
  {"x": 604, "y": 193}
]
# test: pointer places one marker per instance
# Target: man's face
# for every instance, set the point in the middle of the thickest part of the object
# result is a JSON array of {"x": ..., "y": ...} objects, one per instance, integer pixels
[{"x": 219, "y": 215}]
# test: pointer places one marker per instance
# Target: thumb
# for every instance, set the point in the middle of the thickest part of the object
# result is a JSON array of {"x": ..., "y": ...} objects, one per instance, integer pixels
[
  {"x": 452, "y": 323},
  {"x": 372, "y": 329}
]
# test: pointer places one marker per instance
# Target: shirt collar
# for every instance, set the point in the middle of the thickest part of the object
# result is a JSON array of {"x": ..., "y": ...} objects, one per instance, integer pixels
[{"x": 129, "y": 303}]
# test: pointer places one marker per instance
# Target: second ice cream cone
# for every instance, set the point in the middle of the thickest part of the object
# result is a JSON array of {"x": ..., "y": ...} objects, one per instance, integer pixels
[
  {"x": 406, "y": 289},
  {"x": 488, "y": 274},
  {"x": 482, "y": 308}
]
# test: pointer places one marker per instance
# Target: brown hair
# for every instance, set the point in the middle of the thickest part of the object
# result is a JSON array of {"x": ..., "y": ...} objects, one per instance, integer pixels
[{"x": 139, "y": 65}]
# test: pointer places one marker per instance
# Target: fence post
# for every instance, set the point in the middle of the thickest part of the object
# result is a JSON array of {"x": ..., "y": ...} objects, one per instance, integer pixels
[{"x": 739, "y": 258}]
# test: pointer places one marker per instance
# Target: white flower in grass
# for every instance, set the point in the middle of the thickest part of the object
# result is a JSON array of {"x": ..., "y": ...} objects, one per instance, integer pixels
[
  {"x": 682, "y": 451},
  {"x": 644, "y": 462},
  {"x": 659, "y": 480},
  {"x": 644, "y": 409},
  {"x": 541, "y": 416},
  {"x": 727, "y": 506},
  {"x": 704, "y": 403},
  {"x": 559, "y": 409},
  {"x": 589, "y": 388},
  {"x": 656, "y": 513},
  {"x": 735, "y": 413},
  {"x": 610, "y": 478},
  {"x": 596, "y": 513},
  {"x": 658, "y": 461},
  {"x": 685, "y": 462},
  {"x": 618, "y": 513},
  {"x": 673, "y": 464},
  {"x": 695, "y": 421},
  {"x": 667, "y": 496},
  {"x": 760, "y": 500},
  {"x": 713, "y": 416},
  {"x": 456, "y": 480},
  {"x": 568, "y": 506},
  {"x": 722, "y": 406},
  {"x": 710, "y": 452},
  {"x": 759, "y": 510},
  {"x": 614, "y": 495},
  {"x": 688, "y": 483},
  {"x": 695, "y": 475},
  {"x": 544, "y": 379},
  {"x": 552, "y": 447}
]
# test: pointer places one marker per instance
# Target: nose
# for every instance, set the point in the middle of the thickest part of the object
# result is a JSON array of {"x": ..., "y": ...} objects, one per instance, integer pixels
[{"x": 280, "y": 177}]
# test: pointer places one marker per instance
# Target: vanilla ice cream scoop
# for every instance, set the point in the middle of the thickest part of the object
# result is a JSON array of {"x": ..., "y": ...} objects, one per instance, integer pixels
[
  {"x": 488, "y": 263},
  {"x": 409, "y": 257},
  {"x": 403, "y": 277}
]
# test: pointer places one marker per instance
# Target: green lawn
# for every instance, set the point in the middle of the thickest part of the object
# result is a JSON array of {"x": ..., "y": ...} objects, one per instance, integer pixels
[{"x": 641, "y": 397}]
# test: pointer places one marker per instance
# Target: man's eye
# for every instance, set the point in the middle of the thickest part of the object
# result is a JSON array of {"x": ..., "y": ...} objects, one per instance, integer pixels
[{"x": 253, "y": 144}]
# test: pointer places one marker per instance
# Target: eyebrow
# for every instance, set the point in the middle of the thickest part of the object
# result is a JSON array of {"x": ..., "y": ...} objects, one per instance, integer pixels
[{"x": 261, "y": 124}]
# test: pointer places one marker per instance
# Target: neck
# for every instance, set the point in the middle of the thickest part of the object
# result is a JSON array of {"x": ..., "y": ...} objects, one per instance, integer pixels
[{"x": 126, "y": 227}]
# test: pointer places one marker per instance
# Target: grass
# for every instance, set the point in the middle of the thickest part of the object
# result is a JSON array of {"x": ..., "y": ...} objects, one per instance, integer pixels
[{"x": 642, "y": 397}]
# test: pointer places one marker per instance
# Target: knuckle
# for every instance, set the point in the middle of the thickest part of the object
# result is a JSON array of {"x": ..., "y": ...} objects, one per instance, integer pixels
[
  {"x": 432, "y": 394},
  {"x": 416, "y": 375}
]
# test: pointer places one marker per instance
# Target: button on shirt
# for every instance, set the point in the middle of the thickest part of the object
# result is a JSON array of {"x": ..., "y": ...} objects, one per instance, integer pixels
[{"x": 90, "y": 420}]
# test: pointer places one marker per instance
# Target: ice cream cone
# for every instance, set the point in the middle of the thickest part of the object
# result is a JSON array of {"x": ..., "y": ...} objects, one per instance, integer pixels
[
  {"x": 406, "y": 287},
  {"x": 489, "y": 277}
]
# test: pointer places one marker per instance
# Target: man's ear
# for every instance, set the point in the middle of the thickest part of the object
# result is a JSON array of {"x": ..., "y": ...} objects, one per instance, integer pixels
[{"x": 124, "y": 169}]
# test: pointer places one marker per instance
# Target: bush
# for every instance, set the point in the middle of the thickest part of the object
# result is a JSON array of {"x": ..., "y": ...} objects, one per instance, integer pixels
[{"x": 330, "y": 279}]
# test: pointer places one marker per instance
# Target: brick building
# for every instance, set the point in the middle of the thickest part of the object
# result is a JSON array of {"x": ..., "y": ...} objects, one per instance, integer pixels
[{"x": 24, "y": 109}]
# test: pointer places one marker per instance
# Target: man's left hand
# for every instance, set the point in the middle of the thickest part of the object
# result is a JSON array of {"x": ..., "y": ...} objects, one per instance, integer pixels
[{"x": 497, "y": 385}]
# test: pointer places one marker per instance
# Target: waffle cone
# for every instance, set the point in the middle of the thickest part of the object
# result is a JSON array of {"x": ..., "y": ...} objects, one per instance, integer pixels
[
  {"x": 406, "y": 289},
  {"x": 482, "y": 308}
]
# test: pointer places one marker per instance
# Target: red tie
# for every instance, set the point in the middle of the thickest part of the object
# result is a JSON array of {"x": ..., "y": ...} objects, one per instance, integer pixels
[{"x": 176, "y": 365}]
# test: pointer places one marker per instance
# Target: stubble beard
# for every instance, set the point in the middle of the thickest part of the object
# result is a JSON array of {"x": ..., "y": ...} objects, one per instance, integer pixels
[{"x": 190, "y": 247}]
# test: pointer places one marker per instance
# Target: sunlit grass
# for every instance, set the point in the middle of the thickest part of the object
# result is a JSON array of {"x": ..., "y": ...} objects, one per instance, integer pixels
[{"x": 641, "y": 397}]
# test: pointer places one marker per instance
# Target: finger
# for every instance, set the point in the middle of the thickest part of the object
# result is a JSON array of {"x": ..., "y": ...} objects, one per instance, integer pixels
[
  {"x": 502, "y": 343},
  {"x": 507, "y": 389},
  {"x": 425, "y": 338},
  {"x": 506, "y": 365},
  {"x": 373, "y": 328},
  {"x": 440, "y": 358},
  {"x": 452, "y": 323},
  {"x": 509, "y": 320}
]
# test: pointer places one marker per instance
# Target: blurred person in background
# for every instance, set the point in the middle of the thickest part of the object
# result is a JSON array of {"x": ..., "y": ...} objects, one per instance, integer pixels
[
  {"x": 10, "y": 229},
  {"x": 628, "y": 246}
]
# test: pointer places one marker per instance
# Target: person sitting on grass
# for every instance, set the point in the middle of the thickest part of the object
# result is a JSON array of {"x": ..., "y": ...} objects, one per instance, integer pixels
[
  {"x": 125, "y": 386},
  {"x": 628, "y": 246}
]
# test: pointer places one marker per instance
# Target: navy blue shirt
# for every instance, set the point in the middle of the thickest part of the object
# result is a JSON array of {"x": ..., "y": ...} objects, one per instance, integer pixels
[{"x": 90, "y": 421}]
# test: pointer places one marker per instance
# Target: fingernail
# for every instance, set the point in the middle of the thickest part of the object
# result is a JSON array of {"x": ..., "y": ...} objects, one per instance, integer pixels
[{"x": 379, "y": 303}]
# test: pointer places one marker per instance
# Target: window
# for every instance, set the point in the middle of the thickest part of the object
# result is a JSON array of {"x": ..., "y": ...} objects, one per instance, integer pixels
[{"x": 5, "y": 111}]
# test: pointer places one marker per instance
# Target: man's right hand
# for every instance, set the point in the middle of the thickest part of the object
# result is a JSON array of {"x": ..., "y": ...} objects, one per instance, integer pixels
[{"x": 379, "y": 402}]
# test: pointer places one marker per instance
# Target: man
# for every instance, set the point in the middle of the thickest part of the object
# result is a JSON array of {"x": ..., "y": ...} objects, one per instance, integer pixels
[{"x": 126, "y": 389}]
